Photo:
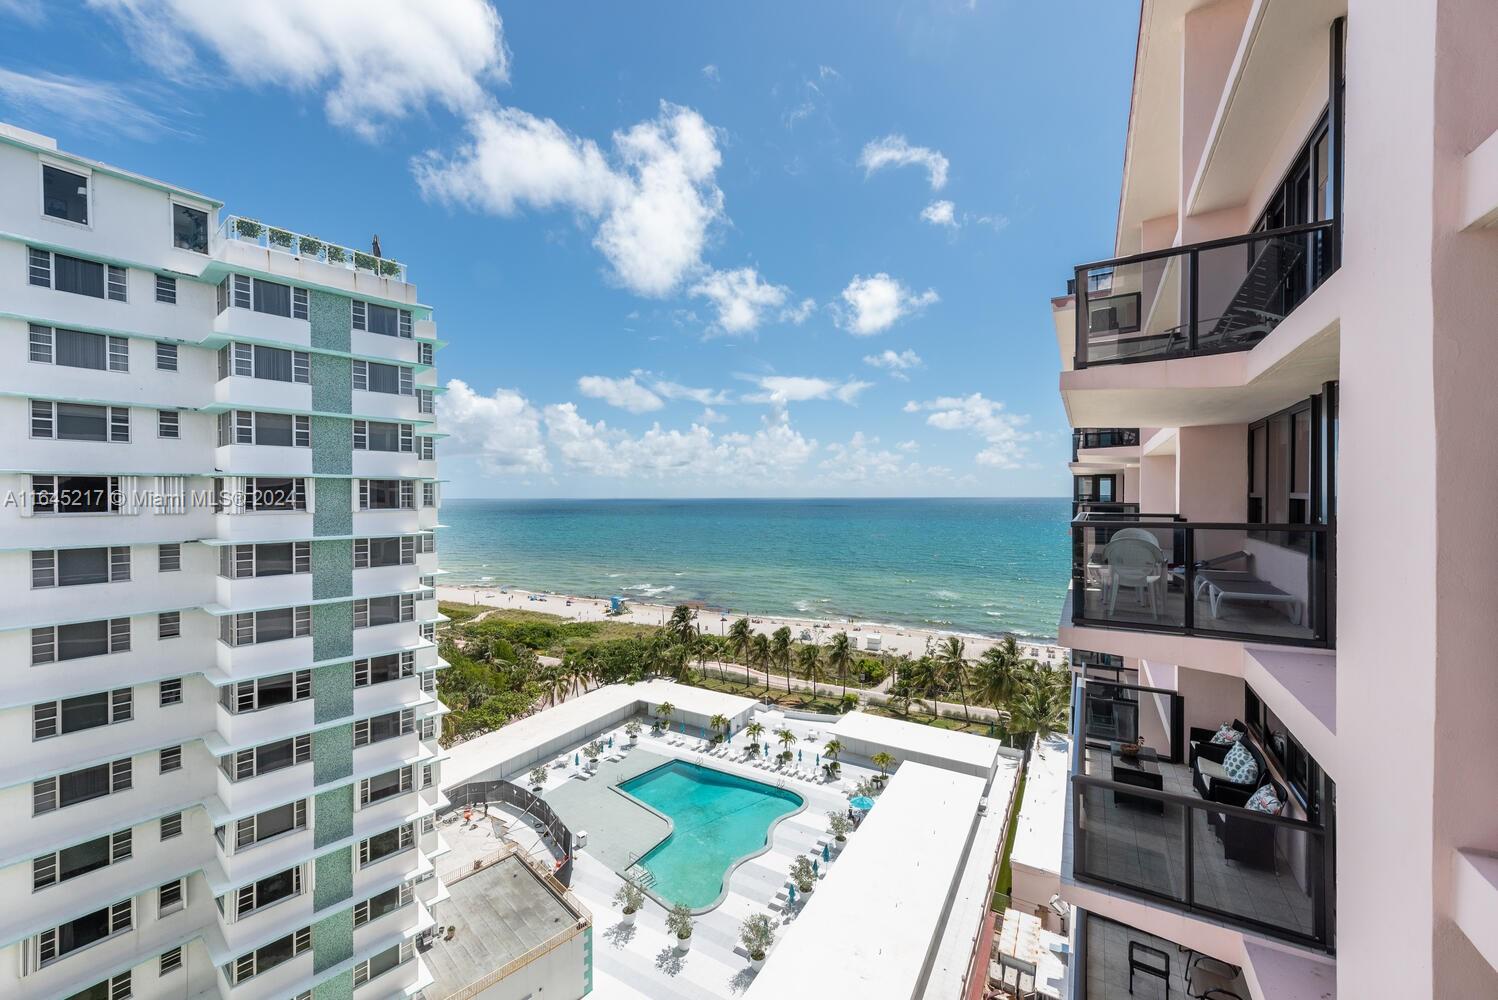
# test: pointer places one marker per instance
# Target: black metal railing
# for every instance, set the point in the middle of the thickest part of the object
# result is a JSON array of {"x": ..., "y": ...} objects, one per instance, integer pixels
[
  {"x": 1205, "y": 298},
  {"x": 1103, "y": 437},
  {"x": 1257, "y": 870},
  {"x": 523, "y": 801},
  {"x": 1159, "y": 573}
]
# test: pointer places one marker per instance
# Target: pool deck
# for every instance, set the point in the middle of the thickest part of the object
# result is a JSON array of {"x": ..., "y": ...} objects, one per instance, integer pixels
[{"x": 619, "y": 829}]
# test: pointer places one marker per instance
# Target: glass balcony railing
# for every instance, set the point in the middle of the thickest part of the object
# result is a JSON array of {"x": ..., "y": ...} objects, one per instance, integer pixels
[
  {"x": 241, "y": 230},
  {"x": 1103, "y": 437},
  {"x": 1205, "y": 298},
  {"x": 1158, "y": 573},
  {"x": 1143, "y": 822}
]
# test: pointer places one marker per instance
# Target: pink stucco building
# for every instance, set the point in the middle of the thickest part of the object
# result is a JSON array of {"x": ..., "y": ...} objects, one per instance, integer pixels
[{"x": 1283, "y": 559}]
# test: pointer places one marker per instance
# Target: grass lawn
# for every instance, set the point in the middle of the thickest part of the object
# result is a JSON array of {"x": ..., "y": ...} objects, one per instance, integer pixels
[
  {"x": 1005, "y": 884},
  {"x": 549, "y": 634},
  {"x": 460, "y": 613}
]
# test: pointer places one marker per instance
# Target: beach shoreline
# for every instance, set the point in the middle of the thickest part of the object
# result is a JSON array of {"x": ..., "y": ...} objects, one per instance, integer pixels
[{"x": 896, "y": 639}]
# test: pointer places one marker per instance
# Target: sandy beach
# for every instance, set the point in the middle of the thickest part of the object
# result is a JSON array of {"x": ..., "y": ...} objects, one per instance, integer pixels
[{"x": 890, "y": 638}]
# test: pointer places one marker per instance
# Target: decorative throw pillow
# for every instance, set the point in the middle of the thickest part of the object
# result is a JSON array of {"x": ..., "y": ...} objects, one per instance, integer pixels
[
  {"x": 1240, "y": 765},
  {"x": 1264, "y": 800},
  {"x": 1226, "y": 734}
]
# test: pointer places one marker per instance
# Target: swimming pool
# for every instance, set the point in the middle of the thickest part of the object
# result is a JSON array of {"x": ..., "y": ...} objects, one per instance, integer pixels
[{"x": 717, "y": 819}]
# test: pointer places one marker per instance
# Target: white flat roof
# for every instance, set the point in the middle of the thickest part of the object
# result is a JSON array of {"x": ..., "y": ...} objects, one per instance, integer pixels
[
  {"x": 868, "y": 929},
  {"x": 913, "y": 738},
  {"x": 1042, "y": 813},
  {"x": 579, "y": 715}
]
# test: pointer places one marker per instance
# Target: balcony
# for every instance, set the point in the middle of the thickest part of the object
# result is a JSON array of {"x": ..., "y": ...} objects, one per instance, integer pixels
[
  {"x": 1215, "y": 297},
  {"x": 1150, "y": 824},
  {"x": 1093, "y": 438},
  {"x": 238, "y": 229},
  {"x": 1159, "y": 573}
]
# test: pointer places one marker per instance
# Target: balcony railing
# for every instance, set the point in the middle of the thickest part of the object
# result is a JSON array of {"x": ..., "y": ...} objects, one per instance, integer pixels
[
  {"x": 241, "y": 230},
  {"x": 1103, "y": 437},
  {"x": 1140, "y": 824},
  {"x": 1205, "y": 298},
  {"x": 1158, "y": 573}
]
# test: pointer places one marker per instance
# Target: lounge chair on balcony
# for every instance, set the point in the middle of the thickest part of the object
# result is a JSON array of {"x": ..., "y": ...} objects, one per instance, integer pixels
[
  {"x": 1258, "y": 305},
  {"x": 1250, "y": 589}
]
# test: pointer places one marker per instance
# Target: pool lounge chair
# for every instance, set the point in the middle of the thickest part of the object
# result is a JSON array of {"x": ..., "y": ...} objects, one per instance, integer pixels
[{"x": 1252, "y": 589}]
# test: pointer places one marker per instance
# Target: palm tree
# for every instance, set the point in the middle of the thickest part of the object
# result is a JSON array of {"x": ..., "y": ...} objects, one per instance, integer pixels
[
  {"x": 683, "y": 624},
  {"x": 780, "y": 652},
  {"x": 787, "y": 739},
  {"x": 759, "y": 656},
  {"x": 883, "y": 760},
  {"x": 926, "y": 682},
  {"x": 954, "y": 667},
  {"x": 809, "y": 659},
  {"x": 840, "y": 658},
  {"x": 740, "y": 638},
  {"x": 755, "y": 731},
  {"x": 1000, "y": 672},
  {"x": 719, "y": 723},
  {"x": 1041, "y": 706}
]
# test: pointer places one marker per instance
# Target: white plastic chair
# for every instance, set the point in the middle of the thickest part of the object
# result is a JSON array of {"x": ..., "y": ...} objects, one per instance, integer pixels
[{"x": 1133, "y": 562}]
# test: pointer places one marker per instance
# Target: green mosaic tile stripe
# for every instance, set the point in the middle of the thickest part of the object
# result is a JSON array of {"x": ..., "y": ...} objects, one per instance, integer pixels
[
  {"x": 334, "y": 510},
  {"x": 333, "y": 815},
  {"x": 335, "y": 878},
  {"x": 340, "y": 987},
  {"x": 333, "y": 692},
  {"x": 332, "y": 446},
  {"x": 332, "y": 384},
  {"x": 333, "y": 630},
  {"x": 332, "y": 570},
  {"x": 332, "y": 940},
  {"x": 588, "y": 960},
  {"x": 332, "y": 754},
  {"x": 332, "y": 321}
]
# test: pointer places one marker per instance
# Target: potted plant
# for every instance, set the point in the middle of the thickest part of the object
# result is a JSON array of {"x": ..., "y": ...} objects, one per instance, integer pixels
[
  {"x": 248, "y": 228},
  {"x": 756, "y": 934},
  {"x": 719, "y": 724},
  {"x": 679, "y": 922},
  {"x": 310, "y": 246},
  {"x": 831, "y": 751},
  {"x": 839, "y": 825},
  {"x": 365, "y": 261},
  {"x": 632, "y": 730},
  {"x": 663, "y": 713},
  {"x": 337, "y": 255},
  {"x": 630, "y": 899},
  {"x": 538, "y": 779},
  {"x": 883, "y": 761},
  {"x": 279, "y": 238},
  {"x": 803, "y": 875},
  {"x": 755, "y": 731},
  {"x": 389, "y": 268},
  {"x": 593, "y": 751}
]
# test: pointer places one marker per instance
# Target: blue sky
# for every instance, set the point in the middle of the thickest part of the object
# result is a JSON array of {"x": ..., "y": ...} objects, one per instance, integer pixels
[{"x": 677, "y": 249}]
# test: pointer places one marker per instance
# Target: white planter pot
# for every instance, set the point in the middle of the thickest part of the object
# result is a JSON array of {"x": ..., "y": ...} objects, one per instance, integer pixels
[
  {"x": 629, "y": 917},
  {"x": 808, "y": 890},
  {"x": 756, "y": 963},
  {"x": 684, "y": 944}
]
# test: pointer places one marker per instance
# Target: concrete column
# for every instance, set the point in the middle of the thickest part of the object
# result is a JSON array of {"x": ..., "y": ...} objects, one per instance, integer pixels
[{"x": 1212, "y": 472}]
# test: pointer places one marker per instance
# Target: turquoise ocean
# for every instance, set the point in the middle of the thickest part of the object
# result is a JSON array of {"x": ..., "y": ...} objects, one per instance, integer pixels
[{"x": 982, "y": 566}]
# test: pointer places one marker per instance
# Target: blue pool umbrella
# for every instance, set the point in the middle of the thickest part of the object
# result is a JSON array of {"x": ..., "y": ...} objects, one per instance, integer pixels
[
  {"x": 819, "y": 760},
  {"x": 816, "y": 869},
  {"x": 577, "y": 760},
  {"x": 611, "y": 743},
  {"x": 798, "y": 756},
  {"x": 827, "y": 854},
  {"x": 862, "y": 803},
  {"x": 792, "y": 897}
]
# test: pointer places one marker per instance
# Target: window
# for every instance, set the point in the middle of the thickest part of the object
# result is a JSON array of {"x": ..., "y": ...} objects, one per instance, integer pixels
[
  {"x": 171, "y": 961},
  {"x": 80, "y": 859},
  {"x": 267, "y": 757},
  {"x": 189, "y": 228},
  {"x": 371, "y": 552},
  {"x": 428, "y": 448},
  {"x": 379, "y": 669},
  {"x": 383, "y": 962},
  {"x": 383, "y": 320},
  {"x": 171, "y": 759},
  {"x": 250, "y": 627},
  {"x": 427, "y": 543},
  {"x": 372, "y": 611},
  {"x": 169, "y": 557},
  {"x": 266, "y": 692},
  {"x": 63, "y": 790},
  {"x": 168, "y": 424},
  {"x": 79, "y": 421},
  {"x": 75, "y": 349},
  {"x": 375, "y": 435},
  {"x": 171, "y": 495},
  {"x": 171, "y": 692},
  {"x": 383, "y": 786},
  {"x": 169, "y": 625},
  {"x": 269, "y": 824},
  {"x": 424, "y": 401},
  {"x": 75, "y": 494},
  {"x": 1301, "y": 771},
  {"x": 89, "y": 711},
  {"x": 379, "y": 728},
  {"x": 383, "y": 845},
  {"x": 166, "y": 291},
  {"x": 60, "y": 941},
  {"x": 378, "y": 905},
  {"x": 269, "y": 956},
  {"x": 429, "y": 494},
  {"x": 74, "y": 274},
  {"x": 428, "y": 774},
  {"x": 265, "y": 493},
  {"x": 272, "y": 559},
  {"x": 171, "y": 897},
  {"x": 115, "y": 988},
  {"x": 372, "y": 376},
  {"x": 171, "y": 826},
  {"x": 76, "y": 567},
  {"x": 386, "y": 494},
  {"x": 1286, "y": 452},
  {"x": 166, "y": 357},
  {"x": 267, "y": 891},
  {"x": 424, "y": 353},
  {"x": 52, "y": 643},
  {"x": 271, "y": 297},
  {"x": 274, "y": 364},
  {"x": 268, "y": 429},
  {"x": 64, "y": 194}
]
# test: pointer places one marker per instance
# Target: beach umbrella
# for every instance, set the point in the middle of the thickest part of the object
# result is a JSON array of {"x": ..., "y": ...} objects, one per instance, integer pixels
[
  {"x": 862, "y": 803},
  {"x": 798, "y": 756},
  {"x": 611, "y": 743},
  {"x": 819, "y": 760},
  {"x": 577, "y": 760},
  {"x": 792, "y": 897},
  {"x": 827, "y": 853},
  {"x": 816, "y": 869}
]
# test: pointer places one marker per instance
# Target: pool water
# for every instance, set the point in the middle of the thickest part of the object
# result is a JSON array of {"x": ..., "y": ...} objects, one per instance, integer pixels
[{"x": 717, "y": 819}]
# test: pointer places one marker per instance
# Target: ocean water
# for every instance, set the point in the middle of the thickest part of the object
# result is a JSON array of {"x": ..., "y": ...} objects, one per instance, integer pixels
[{"x": 984, "y": 566}]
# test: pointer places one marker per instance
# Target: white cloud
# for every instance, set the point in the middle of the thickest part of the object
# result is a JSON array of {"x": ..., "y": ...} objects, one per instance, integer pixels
[
  {"x": 710, "y": 416},
  {"x": 97, "y": 104},
  {"x": 940, "y": 213},
  {"x": 375, "y": 61},
  {"x": 798, "y": 313},
  {"x": 711, "y": 72},
  {"x": 625, "y": 393},
  {"x": 894, "y": 151},
  {"x": 653, "y": 204},
  {"x": 863, "y": 460},
  {"x": 741, "y": 298},
  {"x": 502, "y": 430},
  {"x": 877, "y": 302},
  {"x": 675, "y": 390},
  {"x": 896, "y": 364},
  {"x": 1002, "y": 432},
  {"x": 27, "y": 11},
  {"x": 779, "y": 390}
]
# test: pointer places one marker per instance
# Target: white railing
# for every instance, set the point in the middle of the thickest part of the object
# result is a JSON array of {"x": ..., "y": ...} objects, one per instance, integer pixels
[{"x": 243, "y": 230}]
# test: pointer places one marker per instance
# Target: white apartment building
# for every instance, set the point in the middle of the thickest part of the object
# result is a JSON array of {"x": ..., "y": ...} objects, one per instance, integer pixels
[
  {"x": 1280, "y": 382},
  {"x": 218, "y": 562}
]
